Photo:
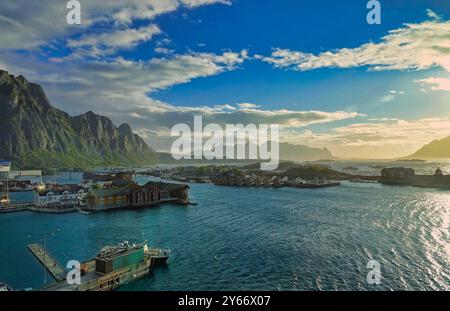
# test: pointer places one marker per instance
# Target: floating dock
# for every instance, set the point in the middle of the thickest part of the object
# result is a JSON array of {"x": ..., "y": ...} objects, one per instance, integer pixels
[
  {"x": 48, "y": 261},
  {"x": 112, "y": 267},
  {"x": 11, "y": 208}
]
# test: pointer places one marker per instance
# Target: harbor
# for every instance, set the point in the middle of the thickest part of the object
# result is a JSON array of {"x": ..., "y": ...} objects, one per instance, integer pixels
[
  {"x": 222, "y": 243},
  {"x": 221, "y": 220},
  {"x": 112, "y": 267},
  {"x": 96, "y": 191}
]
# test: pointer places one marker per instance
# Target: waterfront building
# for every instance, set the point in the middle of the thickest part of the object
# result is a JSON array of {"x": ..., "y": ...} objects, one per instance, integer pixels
[
  {"x": 438, "y": 172},
  {"x": 5, "y": 167},
  {"x": 133, "y": 195},
  {"x": 103, "y": 179},
  {"x": 397, "y": 173},
  {"x": 60, "y": 197},
  {"x": 407, "y": 176}
]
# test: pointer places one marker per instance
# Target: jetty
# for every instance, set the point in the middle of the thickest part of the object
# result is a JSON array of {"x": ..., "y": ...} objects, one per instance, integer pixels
[
  {"x": 272, "y": 182},
  {"x": 48, "y": 261},
  {"x": 113, "y": 266},
  {"x": 401, "y": 176},
  {"x": 12, "y": 208}
]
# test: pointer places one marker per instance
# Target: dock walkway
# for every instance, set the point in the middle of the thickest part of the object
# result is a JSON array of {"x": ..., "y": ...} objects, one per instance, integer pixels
[
  {"x": 48, "y": 261},
  {"x": 11, "y": 208}
]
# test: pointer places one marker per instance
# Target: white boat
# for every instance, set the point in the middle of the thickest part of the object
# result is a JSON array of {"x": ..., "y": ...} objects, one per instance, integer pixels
[{"x": 5, "y": 287}]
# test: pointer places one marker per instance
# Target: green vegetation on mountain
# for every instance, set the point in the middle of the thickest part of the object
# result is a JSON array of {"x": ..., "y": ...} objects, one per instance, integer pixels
[{"x": 34, "y": 134}]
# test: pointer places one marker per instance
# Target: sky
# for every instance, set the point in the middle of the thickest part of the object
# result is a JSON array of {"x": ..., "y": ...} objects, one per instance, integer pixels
[{"x": 317, "y": 68}]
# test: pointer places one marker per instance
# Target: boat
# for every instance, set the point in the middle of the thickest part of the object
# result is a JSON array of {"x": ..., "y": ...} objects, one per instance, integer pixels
[
  {"x": 5, "y": 287},
  {"x": 159, "y": 256}
]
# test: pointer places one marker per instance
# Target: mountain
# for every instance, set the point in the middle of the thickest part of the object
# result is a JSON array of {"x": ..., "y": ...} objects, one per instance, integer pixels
[
  {"x": 437, "y": 149},
  {"x": 287, "y": 152},
  {"x": 290, "y": 152},
  {"x": 34, "y": 134}
]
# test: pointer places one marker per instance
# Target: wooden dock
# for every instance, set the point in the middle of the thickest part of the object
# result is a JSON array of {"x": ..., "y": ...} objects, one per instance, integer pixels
[
  {"x": 11, "y": 208},
  {"x": 48, "y": 261}
]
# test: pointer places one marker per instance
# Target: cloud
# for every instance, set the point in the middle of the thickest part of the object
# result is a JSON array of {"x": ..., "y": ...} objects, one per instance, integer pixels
[
  {"x": 436, "y": 84},
  {"x": 431, "y": 14},
  {"x": 247, "y": 106},
  {"x": 122, "y": 90},
  {"x": 376, "y": 138},
  {"x": 195, "y": 3},
  {"x": 391, "y": 96},
  {"x": 428, "y": 40},
  {"x": 387, "y": 98},
  {"x": 162, "y": 50},
  {"x": 126, "y": 38},
  {"x": 28, "y": 24}
]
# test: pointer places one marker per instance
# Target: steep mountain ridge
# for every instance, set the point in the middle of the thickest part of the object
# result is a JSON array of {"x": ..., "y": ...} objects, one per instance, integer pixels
[{"x": 35, "y": 134}]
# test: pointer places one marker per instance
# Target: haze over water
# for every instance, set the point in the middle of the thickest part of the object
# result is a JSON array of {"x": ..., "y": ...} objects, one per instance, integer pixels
[{"x": 258, "y": 239}]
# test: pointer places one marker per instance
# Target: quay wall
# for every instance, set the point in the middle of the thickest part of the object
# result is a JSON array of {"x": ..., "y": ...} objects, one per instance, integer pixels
[{"x": 423, "y": 181}]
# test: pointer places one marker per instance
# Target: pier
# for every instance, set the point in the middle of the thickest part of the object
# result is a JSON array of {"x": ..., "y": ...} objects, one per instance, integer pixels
[
  {"x": 11, "y": 208},
  {"x": 48, "y": 261},
  {"x": 111, "y": 268}
]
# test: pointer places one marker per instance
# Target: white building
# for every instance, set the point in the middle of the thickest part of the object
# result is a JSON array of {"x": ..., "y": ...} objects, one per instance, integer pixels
[
  {"x": 60, "y": 198},
  {"x": 5, "y": 166}
]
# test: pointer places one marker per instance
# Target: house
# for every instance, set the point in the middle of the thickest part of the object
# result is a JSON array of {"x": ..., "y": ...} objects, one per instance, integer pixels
[
  {"x": 5, "y": 166},
  {"x": 103, "y": 199},
  {"x": 438, "y": 172},
  {"x": 397, "y": 173},
  {"x": 173, "y": 191},
  {"x": 132, "y": 195},
  {"x": 60, "y": 197}
]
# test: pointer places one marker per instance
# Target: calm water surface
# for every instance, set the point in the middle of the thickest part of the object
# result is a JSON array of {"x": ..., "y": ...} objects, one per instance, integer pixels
[{"x": 258, "y": 239}]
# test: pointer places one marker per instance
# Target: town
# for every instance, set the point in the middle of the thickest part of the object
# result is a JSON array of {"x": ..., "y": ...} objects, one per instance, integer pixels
[{"x": 116, "y": 188}]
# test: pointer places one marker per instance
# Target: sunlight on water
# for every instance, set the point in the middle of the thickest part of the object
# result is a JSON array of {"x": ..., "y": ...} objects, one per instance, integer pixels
[{"x": 260, "y": 239}]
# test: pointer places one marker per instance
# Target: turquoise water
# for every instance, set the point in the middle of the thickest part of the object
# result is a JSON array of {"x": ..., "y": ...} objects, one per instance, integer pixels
[{"x": 258, "y": 239}]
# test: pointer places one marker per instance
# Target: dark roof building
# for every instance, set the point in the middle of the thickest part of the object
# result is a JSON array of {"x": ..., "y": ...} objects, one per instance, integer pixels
[{"x": 397, "y": 173}]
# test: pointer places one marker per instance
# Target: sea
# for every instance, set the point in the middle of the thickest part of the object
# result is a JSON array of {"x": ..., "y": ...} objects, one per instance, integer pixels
[{"x": 282, "y": 239}]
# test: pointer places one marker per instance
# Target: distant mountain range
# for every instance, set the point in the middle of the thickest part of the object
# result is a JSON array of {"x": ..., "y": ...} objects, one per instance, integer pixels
[
  {"x": 437, "y": 149},
  {"x": 34, "y": 134},
  {"x": 290, "y": 152}
]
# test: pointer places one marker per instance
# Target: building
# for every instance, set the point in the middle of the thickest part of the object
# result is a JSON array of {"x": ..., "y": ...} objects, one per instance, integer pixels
[
  {"x": 407, "y": 177},
  {"x": 397, "y": 173},
  {"x": 132, "y": 195},
  {"x": 5, "y": 166},
  {"x": 63, "y": 197},
  {"x": 438, "y": 172}
]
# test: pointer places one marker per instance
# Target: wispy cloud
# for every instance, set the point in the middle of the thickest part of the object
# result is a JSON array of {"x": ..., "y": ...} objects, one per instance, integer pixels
[
  {"x": 33, "y": 24},
  {"x": 109, "y": 42},
  {"x": 428, "y": 40},
  {"x": 376, "y": 138},
  {"x": 391, "y": 96},
  {"x": 436, "y": 84}
]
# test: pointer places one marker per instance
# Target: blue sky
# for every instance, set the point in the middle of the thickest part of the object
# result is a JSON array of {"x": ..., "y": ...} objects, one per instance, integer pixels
[{"x": 315, "y": 67}]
